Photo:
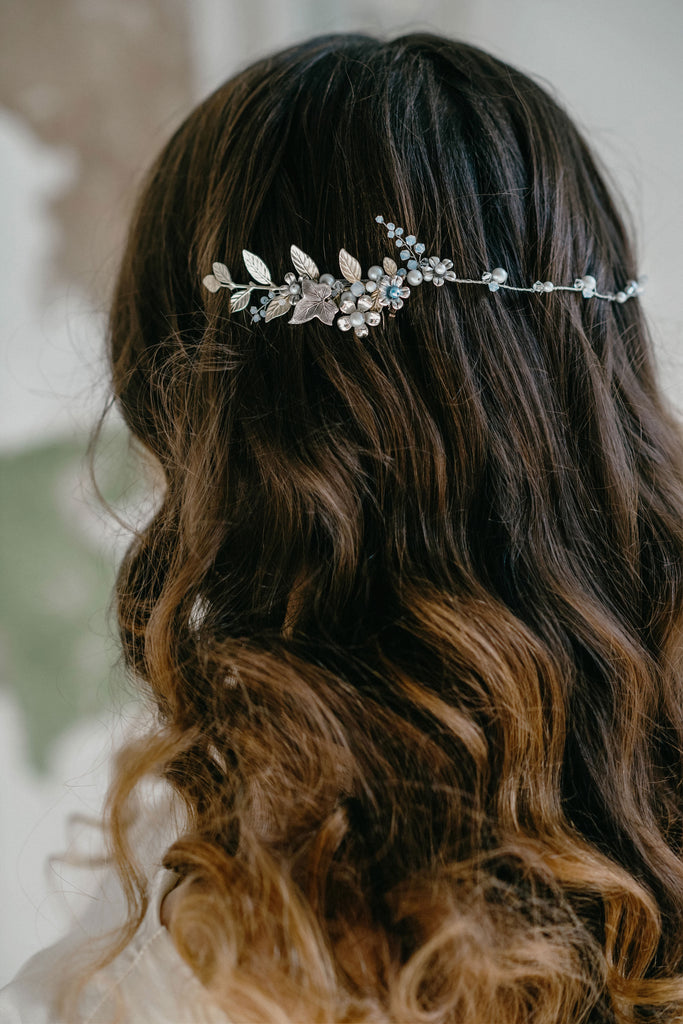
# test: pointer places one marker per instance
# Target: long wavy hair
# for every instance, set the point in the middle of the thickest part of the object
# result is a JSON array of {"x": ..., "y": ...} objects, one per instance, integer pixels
[{"x": 411, "y": 608}]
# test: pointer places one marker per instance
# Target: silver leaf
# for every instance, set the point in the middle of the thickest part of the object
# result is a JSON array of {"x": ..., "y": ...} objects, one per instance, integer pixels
[
  {"x": 222, "y": 274},
  {"x": 211, "y": 283},
  {"x": 349, "y": 265},
  {"x": 239, "y": 300},
  {"x": 256, "y": 267},
  {"x": 277, "y": 307},
  {"x": 390, "y": 267},
  {"x": 303, "y": 263}
]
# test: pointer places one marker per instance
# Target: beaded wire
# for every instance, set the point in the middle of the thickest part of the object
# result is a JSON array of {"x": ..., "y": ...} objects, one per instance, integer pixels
[{"x": 362, "y": 300}]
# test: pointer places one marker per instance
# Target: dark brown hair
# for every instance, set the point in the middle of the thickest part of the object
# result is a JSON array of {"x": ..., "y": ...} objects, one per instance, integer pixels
[{"x": 411, "y": 607}]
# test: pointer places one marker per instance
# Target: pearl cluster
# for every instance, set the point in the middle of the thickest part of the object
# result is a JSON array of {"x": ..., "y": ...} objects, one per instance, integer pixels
[{"x": 355, "y": 302}]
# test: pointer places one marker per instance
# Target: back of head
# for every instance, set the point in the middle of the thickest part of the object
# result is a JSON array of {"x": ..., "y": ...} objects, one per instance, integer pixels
[{"x": 411, "y": 606}]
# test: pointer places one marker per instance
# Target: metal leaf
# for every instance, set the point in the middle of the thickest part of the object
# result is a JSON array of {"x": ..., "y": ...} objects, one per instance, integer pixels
[
  {"x": 277, "y": 307},
  {"x": 211, "y": 283},
  {"x": 256, "y": 267},
  {"x": 303, "y": 263},
  {"x": 390, "y": 267},
  {"x": 222, "y": 274},
  {"x": 239, "y": 300},
  {"x": 349, "y": 266}
]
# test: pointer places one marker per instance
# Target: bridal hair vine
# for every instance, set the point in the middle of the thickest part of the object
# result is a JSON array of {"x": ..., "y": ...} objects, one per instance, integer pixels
[{"x": 361, "y": 300}]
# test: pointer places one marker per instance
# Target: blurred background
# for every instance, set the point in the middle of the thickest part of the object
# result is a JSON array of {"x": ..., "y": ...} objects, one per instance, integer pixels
[{"x": 89, "y": 91}]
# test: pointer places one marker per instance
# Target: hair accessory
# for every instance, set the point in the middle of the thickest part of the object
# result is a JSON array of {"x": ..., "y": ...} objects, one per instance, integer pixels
[{"x": 361, "y": 300}]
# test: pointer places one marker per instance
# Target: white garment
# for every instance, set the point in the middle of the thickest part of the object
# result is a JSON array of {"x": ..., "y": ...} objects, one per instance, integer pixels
[{"x": 147, "y": 983}]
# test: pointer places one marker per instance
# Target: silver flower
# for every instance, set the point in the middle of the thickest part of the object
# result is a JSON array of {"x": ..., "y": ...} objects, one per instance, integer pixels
[
  {"x": 392, "y": 291},
  {"x": 360, "y": 320},
  {"x": 293, "y": 288},
  {"x": 437, "y": 270}
]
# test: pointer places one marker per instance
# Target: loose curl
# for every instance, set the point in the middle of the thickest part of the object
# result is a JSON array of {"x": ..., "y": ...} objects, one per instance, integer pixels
[{"x": 411, "y": 607}]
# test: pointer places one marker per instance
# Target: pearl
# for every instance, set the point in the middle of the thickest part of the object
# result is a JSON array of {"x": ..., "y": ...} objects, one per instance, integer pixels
[
  {"x": 548, "y": 286},
  {"x": 348, "y": 297},
  {"x": 414, "y": 277},
  {"x": 357, "y": 288},
  {"x": 356, "y": 319},
  {"x": 589, "y": 282},
  {"x": 374, "y": 273},
  {"x": 326, "y": 279},
  {"x": 370, "y": 286},
  {"x": 499, "y": 275},
  {"x": 621, "y": 296}
]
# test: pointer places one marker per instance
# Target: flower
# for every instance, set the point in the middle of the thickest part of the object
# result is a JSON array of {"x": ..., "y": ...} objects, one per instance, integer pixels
[
  {"x": 587, "y": 284},
  {"x": 360, "y": 320},
  {"x": 293, "y": 288},
  {"x": 437, "y": 270},
  {"x": 315, "y": 302},
  {"x": 392, "y": 291}
]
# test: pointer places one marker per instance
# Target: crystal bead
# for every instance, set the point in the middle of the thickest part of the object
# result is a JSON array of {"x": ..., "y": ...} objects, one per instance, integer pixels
[
  {"x": 420, "y": 247},
  {"x": 380, "y": 220},
  {"x": 410, "y": 239},
  {"x": 357, "y": 288},
  {"x": 399, "y": 231},
  {"x": 405, "y": 255},
  {"x": 390, "y": 227}
]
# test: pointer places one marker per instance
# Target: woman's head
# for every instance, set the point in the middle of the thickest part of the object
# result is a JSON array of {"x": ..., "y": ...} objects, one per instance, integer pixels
[{"x": 411, "y": 607}]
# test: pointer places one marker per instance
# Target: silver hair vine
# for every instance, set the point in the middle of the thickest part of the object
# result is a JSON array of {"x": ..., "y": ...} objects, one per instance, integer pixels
[{"x": 358, "y": 302}]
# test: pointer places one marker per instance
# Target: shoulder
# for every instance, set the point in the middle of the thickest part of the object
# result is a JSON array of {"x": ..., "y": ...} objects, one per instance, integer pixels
[{"x": 149, "y": 981}]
